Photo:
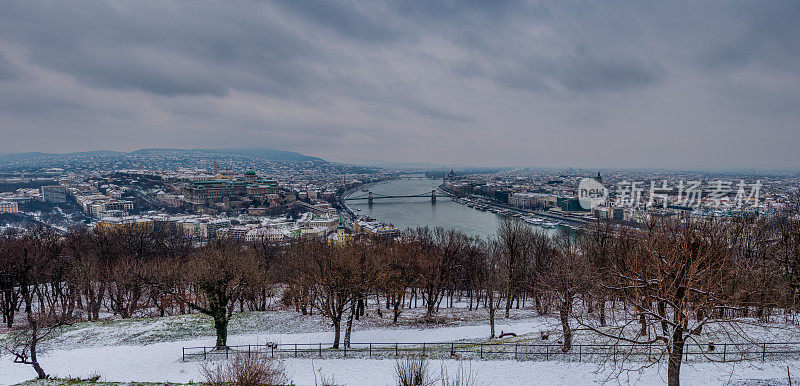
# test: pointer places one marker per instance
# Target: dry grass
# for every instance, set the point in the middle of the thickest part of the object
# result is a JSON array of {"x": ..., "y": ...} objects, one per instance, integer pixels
[
  {"x": 413, "y": 371},
  {"x": 247, "y": 370}
]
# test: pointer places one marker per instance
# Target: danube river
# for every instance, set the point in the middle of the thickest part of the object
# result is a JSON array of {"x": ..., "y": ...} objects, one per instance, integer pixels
[{"x": 410, "y": 212}]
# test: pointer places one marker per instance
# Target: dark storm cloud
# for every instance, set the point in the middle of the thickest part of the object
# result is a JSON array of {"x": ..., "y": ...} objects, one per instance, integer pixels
[
  {"x": 183, "y": 49},
  {"x": 445, "y": 80},
  {"x": 583, "y": 72},
  {"x": 758, "y": 33}
]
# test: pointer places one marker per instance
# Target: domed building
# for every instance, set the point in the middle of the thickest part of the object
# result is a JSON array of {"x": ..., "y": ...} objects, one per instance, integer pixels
[{"x": 250, "y": 176}]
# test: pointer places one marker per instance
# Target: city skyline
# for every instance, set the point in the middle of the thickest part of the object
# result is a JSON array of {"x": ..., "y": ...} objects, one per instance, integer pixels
[
  {"x": 558, "y": 84},
  {"x": 409, "y": 192}
]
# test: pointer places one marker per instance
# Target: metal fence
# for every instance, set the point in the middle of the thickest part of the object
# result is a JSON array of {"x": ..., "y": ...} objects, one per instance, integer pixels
[{"x": 719, "y": 352}]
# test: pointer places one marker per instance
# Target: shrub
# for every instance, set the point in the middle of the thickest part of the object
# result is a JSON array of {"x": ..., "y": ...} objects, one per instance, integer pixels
[
  {"x": 413, "y": 371},
  {"x": 247, "y": 370}
]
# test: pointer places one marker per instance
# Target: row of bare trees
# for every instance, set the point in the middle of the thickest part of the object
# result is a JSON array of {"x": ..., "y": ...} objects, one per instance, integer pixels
[{"x": 658, "y": 284}]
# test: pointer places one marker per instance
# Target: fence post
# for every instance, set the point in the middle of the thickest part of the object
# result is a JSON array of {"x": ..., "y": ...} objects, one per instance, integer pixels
[
  {"x": 724, "y": 351},
  {"x": 295, "y": 350},
  {"x": 183, "y": 354},
  {"x": 248, "y": 351},
  {"x": 763, "y": 352},
  {"x": 395, "y": 348},
  {"x": 516, "y": 347},
  {"x": 481, "y": 350},
  {"x": 452, "y": 349},
  {"x": 272, "y": 348},
  {"x": 580, "y": 353},
  {"x": 226, "y": 352},
  {"x": 320, "y": 350},
  {"x": 204, "y": 352},
  {"x": 370, "y": 349},
  {"x": 547, "y": 352},
  {"x": 345, "y": 350},
  {"x": 615, "y": 353}
]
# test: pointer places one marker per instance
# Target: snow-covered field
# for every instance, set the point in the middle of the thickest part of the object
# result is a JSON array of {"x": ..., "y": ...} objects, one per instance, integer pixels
[{"x": 150, "y": 350}]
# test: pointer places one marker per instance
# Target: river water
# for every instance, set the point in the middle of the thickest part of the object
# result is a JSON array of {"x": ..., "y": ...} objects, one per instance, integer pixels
[{"x": 411, "y": 212}]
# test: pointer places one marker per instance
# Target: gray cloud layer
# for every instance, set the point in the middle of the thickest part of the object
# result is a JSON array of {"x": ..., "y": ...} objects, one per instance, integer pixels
[{"x": 670, "y": 84}]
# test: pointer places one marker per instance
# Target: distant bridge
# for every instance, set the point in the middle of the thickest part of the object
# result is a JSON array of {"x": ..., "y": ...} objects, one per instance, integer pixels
[{"x": 370, "y": 197}]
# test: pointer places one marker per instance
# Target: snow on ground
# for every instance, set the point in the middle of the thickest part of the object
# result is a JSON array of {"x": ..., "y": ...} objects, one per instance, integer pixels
[
  {"x": 381, "y": 372},
  {"x": 247, "y": 326},
  {"x": 161, "y": 363},
  {"x": 149, "y": 350}
]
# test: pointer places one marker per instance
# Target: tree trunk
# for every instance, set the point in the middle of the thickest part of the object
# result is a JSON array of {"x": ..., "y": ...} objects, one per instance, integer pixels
[
  {"x": 221, "y": 326},
  {"x": 538, "y": 303},
  {"x": 642, "y": 325},
  {"x": 589, "y": 304},
  {"x": 353, "y": 310},
  {"x": 675, "y": 358},
  {"x": 564, "y": 311},
  {"x": 360, "y": 307},
  {"x": 602, "y": 307},
  {"x": 9, "y": 307},
  {"x": 700, "y": 316},
  {"x": 396, "y": 311},
  {"x": 337, "y": 331},
  {"x": 662, "y": 313},
  {"x": 491, "y": 321},
  {"x": 430, "y": 303},
  {"x": 40, "y": 374}
]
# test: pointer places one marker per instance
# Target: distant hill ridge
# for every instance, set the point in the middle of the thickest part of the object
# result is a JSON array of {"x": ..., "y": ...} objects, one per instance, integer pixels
[{"x": 261, "y": 153}]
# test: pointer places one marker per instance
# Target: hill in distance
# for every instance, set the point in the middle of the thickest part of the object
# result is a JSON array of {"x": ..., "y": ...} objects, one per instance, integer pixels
[
  {"x": 12, "y": 157},
  {"x": 260, "y": 153}
]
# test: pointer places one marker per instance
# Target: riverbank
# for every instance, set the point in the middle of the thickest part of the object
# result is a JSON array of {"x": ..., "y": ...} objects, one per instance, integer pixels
[
  {"x": 415, "y": 209},
  {"x": 482, "y": 203},
  {"x": 351, "y": 215}
]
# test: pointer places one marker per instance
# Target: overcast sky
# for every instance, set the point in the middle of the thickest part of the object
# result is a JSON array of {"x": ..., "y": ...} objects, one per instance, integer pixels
[{"x": 495, "y": 82}]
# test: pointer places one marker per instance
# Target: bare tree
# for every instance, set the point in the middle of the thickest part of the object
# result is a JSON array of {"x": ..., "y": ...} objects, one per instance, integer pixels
[
  {"x": 363, "y": 254},
  {"x": 10, "y": 296},
  {"x": 675, "y": 274},
  {"x": 493, "y": 278},
  {"x": 514, "y": 238},
  {"x": 331, "y": 273},
  {"x": 441, "y": 250},
  {"x": 32, "y": 254},
  {"x": 221, "y": 270},
  {"x": 597, "y": 245},
  {"x": 24, "y": 343},
  {"x": 566, "y": 273},
  {"x": 86, "y": 271},
  {"x": 397, "y": 273}
]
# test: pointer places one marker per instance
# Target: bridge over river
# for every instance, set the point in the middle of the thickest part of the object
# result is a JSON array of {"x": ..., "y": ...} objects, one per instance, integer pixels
[{"x": 370, "y": 197}]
